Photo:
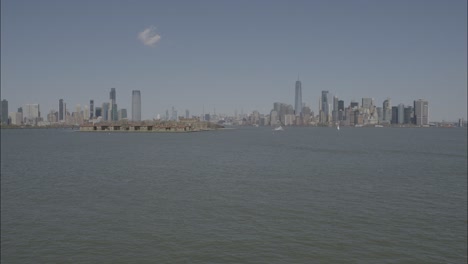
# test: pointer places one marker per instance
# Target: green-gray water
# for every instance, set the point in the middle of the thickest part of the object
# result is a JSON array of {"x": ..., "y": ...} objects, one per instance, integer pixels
[{"x": 249, "y": 195}]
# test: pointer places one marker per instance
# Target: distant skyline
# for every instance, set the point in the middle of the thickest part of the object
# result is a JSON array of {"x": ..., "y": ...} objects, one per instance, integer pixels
[{"x": 231, "y": 55}]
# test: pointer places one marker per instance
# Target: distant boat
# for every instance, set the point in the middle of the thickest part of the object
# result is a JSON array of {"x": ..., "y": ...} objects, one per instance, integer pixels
[
  {"x": 338, "y": 128},
  {"x": 378, "y": 126},
  {"x": 280, "y": 128},
  {"x": 256, "y": 125}
]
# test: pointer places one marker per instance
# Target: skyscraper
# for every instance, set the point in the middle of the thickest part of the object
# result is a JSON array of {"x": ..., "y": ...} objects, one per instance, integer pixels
[
  {"x": 113, "y": 105},
  {"x": 367, "y": 103},
  {"x": 78, "y": 114},
  {"x": 298, "y": 101},
  {"x": 105, "y": 111},
  {"x": 394, "y": 114},
  {"x": 174, "y": 116},
  {"x": 91, "y": 109},
  {"x": 421, "y": 112},
  {"x": 136, "y": 105},
  {"x": 408, "y": 115},
  {"x": 325, "y": 106},
  {"x": 61, "y": 110},
  {"x": 335, "y": 109},
  {"x": 340, "y": 105},
  {"x": 122, "y": 114},
  {"x": 401, "y": 113},
  {"x": 98, "y": 112},
  {"x": 341, "y": 110},
  {"x": 187, "y": 114},
  {"x": 387, "y": 111},
  {"x": 86, "y": 114},
  {"x": 31, "y": 113},
  {"x": 4, "y": 116}
]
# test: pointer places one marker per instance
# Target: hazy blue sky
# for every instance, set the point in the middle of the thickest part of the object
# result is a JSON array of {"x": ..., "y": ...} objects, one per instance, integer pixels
[{"x": 234, "y": 54}]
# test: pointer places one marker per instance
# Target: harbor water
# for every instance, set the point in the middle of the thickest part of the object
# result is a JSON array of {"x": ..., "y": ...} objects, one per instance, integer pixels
[{"x": 244, "y": 195}]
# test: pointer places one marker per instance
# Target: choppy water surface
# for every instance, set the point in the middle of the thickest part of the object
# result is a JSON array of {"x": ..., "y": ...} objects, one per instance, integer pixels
[{"x": 250, "y": 195}]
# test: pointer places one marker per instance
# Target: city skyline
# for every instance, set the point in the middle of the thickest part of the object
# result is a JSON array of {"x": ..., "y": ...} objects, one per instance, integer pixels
[
  {"x": 332, "y": 111},
  {"x": 202, "y": 56}
]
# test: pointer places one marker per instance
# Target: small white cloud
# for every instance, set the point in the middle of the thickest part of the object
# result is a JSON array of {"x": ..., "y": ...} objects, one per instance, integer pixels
[{"x": 149, "y": 37}]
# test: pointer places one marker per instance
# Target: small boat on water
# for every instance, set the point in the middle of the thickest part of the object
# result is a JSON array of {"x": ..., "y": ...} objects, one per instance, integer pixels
[
  {"x": 378, "y": 126},
  {"x": 280, "y": 128}
]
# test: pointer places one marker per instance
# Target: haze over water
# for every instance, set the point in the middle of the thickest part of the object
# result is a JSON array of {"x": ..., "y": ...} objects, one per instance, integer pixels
[{"x": 247, "y": 195}]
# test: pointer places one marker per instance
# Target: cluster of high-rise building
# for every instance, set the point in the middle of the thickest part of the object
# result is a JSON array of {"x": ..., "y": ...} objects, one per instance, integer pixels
[
  {"x": 30, "y": 114},
  {"x": 331, "y": 111}
]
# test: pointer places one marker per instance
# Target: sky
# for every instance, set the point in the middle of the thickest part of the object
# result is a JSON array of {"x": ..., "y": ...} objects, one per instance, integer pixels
[{"x": 239, "y": 55}]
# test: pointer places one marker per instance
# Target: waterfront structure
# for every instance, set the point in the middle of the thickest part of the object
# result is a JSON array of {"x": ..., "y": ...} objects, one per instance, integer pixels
[
  {"x": 91, "y": 109},
  {"x": 401, "y": 113},
  {"x": 4, "y": 113},
  {"x": 186, "y": 125},
  {"x": 298, "y": 98},
  {"x": 136, "y": 105},
  {"x": 421, "y": 112},
  {"x": 113, "y": 105}
]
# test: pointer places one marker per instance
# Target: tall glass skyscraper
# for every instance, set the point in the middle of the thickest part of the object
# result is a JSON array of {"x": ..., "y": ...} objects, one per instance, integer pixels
[
  {"x": 401, "y": 113},
  {"x": 298, "y": 101},
  {"x": 421, "y": 112},
  {"x": 105, "y": 111},
  {"x": 61, "y": 110},
  {"x": 136, "y": 105},
  {"x": 325, "y": 104},
  {"x": 113, "y": 106},
  {"x": 4, "y": 116},
  {"x": 91, "y": 109}
]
